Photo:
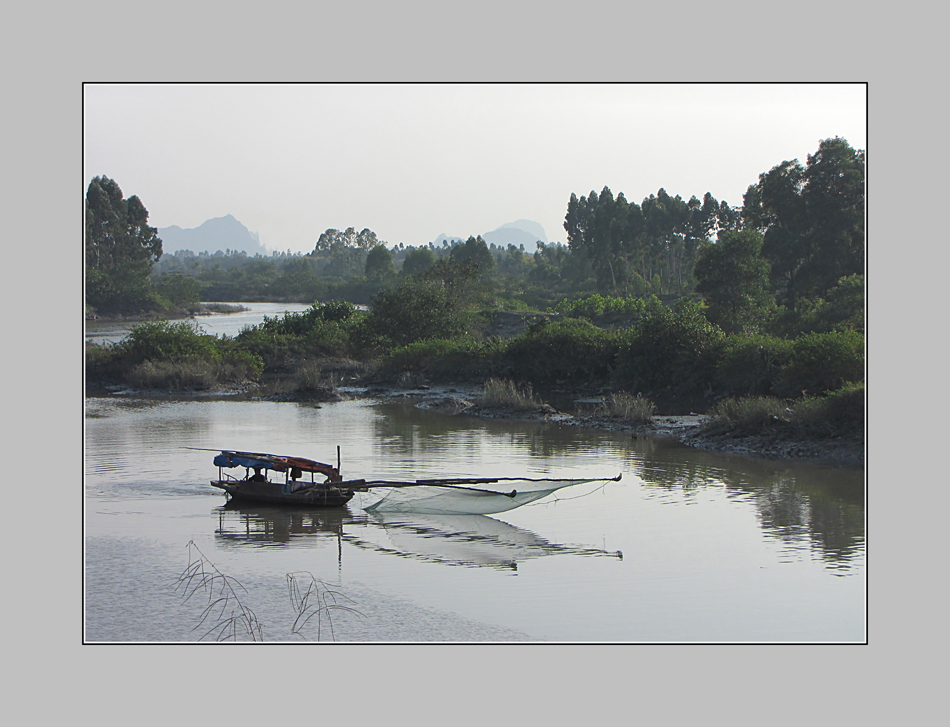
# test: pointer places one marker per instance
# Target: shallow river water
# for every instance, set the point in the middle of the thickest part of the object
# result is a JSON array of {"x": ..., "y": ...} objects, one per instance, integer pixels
[{"x": 688, "y": 547}]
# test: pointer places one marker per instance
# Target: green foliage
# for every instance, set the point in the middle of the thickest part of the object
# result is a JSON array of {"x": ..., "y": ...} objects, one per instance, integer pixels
[
  {"x": 813, "y": 220},
  {"x": 840, "y": 410},
  {"x": 161, "y": 340},
  {"x": 747, "y": 414},
  {"x": 416, "y": 310},
  {"x": 417, "y": 260},
  {"x": 379, "y": 264},
  {"x": 670, "y": 348},
  {"x": 842, "y": 309},
  {"x": 120, "y": 248},
  {"x": 572, "y": 350},
  {"x": 334, "y": 328},
  {"x": 596, "y": 305},
  {"x": 822, "y": 362},
  {"x": 750, "y": 364},
  {"x": 734, "y": 280},
  {"x": 174, "y": 356},
  {"x": 178, "y": 289},
  {"x": 474, "y": 249}
]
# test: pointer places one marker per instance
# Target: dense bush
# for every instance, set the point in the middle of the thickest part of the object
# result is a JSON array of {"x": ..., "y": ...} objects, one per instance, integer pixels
[
  {"x": 597, "y": 305},
  {"x": 747, "y": 414},
  {"x": 161, "y": 340},
  {"x": 670, "y": 348},
  {"x": 440, "y": 359},
  {"x": 822, "y": 362},
  {"x": 839, "y": 411},
  {"x": 748, "y": 365},
  {"x": 572, "y": 350},
  {"x": 841, "y": 309},
  {"x": 175, "y": 356},
  {"x": 415, "y": 311},
  {"x": 325, "y": 329}
]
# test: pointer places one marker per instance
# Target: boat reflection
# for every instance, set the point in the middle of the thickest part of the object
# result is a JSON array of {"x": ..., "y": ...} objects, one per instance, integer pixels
[
  {"x": 457, "y": 540},
  {"x": 264, "y": 525}
]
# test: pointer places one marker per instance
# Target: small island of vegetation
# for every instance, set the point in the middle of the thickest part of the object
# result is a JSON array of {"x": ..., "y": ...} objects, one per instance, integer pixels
[{"x": 752, "y": 315}]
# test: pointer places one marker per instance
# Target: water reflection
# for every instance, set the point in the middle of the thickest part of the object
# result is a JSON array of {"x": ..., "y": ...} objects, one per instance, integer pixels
[
  {"x": 458, "y": 540},
  {"x": 261, "y": 525},
  {"x": 805, "y": 506}
]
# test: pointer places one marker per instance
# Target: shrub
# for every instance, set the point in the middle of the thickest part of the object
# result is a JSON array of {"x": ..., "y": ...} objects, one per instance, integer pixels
[
  {"x": 670, "y": 348},
  {"x": 842, "y": 410},
  {"x": 162, "y": 340},
  {"x": 597, "y": 305},
  {"x": 822, "y": 362},
  {"x": 415, "y": 311},
  {"x": 572, "y": 350},
  {"x": 747, "y": 413},
  {"x": 749, "y": 365},
  {"x": 444, "y": 359}
]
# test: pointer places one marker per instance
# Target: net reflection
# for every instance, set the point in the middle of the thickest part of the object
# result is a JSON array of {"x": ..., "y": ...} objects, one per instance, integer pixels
[
  {"x": 455, "y": 540},
  {"x": 463, "y": 540}
]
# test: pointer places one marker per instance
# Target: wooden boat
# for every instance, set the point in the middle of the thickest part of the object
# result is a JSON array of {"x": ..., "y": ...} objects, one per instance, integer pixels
[
  {"x": 267, "y": 486},
  {"x": 454, "y": 496}
]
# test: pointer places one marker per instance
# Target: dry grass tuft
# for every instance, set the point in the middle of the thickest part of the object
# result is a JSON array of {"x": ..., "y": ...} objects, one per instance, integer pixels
[
  {"x": 622, "y": 405},
  {"x": 505, "y": 394}
]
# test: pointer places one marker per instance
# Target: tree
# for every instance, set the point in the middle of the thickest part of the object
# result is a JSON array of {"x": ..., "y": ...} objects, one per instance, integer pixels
[
  {"x": 365, "y": 240},
  {"x": 120, "y": 249},
  {"x": 418, "y": 260},
  {"x": 379, "y": 264},
  {"x": 475, "y": 249},
  {"x": 734, "y": 280},
  {"x": 812, "y": 218}
]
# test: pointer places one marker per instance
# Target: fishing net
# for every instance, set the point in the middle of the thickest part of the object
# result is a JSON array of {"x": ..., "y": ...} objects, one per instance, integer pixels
[{"x": 485, "y": 498}]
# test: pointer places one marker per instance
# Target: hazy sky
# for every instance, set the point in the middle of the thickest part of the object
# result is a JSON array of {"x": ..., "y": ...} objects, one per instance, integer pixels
[{"x": 411, "y": 161}]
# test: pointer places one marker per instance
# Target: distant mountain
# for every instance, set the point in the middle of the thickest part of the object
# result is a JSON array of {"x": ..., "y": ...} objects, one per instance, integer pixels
[
  {"x": 505, "y": 236},
  {"x": 532, "y": 228},
  {"x": 443, "y": 237},
  {"x": 517, "y": 233},
  {"x": 221, "y": 233}
]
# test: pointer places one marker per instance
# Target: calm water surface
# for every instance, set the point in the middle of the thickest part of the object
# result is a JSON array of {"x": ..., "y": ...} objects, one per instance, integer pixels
[
  {"x": 216, "y": 324},
  {"x": 687, "y": 547}
]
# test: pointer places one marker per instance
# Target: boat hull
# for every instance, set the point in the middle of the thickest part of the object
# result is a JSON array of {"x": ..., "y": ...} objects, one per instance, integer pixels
[{"x": 273, "y": 493}]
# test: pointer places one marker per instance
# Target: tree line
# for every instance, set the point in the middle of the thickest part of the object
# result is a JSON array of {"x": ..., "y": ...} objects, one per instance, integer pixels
[{"x": 793, "y": 251}]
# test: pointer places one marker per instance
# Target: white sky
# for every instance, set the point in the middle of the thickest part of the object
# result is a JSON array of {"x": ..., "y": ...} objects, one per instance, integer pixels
[{"x": 411, "y": 161}]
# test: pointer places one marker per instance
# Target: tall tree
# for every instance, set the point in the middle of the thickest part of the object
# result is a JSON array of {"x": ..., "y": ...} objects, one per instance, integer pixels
[
  {"x": 812, "y": 218},
  {"x": 733, "y": 277},
  {"x": 120, "y": 249}
]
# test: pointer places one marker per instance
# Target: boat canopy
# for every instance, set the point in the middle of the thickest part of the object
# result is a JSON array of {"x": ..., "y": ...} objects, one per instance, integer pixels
[
  {"x": 233, "y": 460},
  {"x": 278, "y": 462}
]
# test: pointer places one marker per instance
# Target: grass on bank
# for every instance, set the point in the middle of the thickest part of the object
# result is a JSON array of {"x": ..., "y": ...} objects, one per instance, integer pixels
[
  {"x": 505, "y": 394},
  {"x": 623, "y": 405},
  {"x": 839, "y": 412}
]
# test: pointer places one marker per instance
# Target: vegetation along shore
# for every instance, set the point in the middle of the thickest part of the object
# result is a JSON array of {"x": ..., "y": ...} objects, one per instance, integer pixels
[{"x": 736, "y": 328}]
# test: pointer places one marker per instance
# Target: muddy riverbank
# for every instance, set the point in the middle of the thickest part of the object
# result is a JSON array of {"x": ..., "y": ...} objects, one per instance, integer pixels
[{"x": 692, "y": 429}]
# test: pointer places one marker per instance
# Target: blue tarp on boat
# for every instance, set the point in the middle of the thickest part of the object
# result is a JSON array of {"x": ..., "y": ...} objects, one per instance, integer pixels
[{"x": 231, "y": 460}]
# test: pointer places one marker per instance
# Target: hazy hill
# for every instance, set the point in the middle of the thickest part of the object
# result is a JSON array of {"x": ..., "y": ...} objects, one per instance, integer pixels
[
  {"x": 517, "y": 233},
  {"x": 221, "y": 233}
]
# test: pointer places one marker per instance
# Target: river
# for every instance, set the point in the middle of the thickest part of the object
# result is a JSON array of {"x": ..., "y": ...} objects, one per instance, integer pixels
[
  {"x": 688, "y": 546},
  {"x": 215, "y": 324}
]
